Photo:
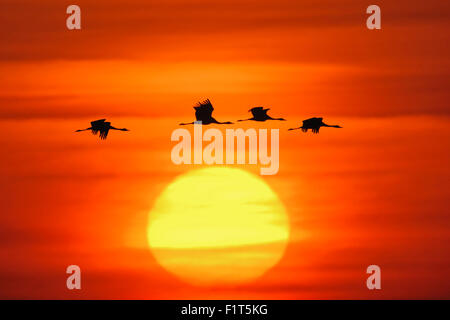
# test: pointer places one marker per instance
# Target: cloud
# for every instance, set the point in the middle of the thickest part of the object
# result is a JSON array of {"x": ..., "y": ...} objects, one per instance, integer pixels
[{"x": 180, "y": 29}]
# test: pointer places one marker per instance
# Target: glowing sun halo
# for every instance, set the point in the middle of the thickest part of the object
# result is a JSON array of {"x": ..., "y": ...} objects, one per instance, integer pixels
[{"x": 218, "y": 226}]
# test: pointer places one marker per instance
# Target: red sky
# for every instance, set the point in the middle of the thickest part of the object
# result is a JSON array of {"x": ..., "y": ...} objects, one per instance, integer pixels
[{"x": 375, "y": 192}]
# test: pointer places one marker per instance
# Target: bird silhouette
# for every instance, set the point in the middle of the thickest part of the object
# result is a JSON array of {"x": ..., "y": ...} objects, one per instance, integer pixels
[
  {"x": 260, "y": 114},
  {"x": 314, "y": 124},
  {"x": 203, "y": 113},
  {"x": 102, "y": 127}
]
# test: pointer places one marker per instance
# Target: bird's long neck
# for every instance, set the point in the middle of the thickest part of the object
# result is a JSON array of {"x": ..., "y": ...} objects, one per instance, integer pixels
[
  {"x": 215, "y": 121},
  {"x": 246, "y": 119},
  {"x": 330, "y": 126},
  {"x": 121, "y": 129}
]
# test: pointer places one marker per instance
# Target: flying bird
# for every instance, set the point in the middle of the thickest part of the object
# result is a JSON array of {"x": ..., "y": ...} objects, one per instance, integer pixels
[
  {"x": 260, "y": 114},
  {"x": 103, "y": 127},
  {"x": 314, "y": 124},
  {"x": 203, "y": 113}
]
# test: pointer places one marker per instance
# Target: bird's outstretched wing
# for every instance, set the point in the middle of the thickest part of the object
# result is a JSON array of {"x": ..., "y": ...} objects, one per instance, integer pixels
[
  {"x": 98, "y": 122},
  {"x": 104, "y": 133},
  {"x": 203, "y": 110},
  {"x": 257, "y": 112},
  {"x": 104, "y": 130},
  {"x": 97, "y": 125},
  {"x": 312, "y": 122}
]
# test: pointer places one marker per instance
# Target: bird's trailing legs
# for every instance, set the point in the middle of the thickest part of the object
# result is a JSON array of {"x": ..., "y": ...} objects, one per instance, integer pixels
[
  {"x": 90, "y": 128},
  {"x": 303, "y": 129}
]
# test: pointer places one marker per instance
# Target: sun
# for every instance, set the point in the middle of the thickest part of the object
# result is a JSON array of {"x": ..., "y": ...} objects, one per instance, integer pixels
[{"x": 218, "y": 226}]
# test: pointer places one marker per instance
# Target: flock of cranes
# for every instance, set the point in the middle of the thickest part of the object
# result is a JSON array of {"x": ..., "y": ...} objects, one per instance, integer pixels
[{"x": 203, "y": 113}]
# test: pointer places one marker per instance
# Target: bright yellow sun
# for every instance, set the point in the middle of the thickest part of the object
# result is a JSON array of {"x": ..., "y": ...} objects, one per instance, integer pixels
[{"x": 218, "y": 226}]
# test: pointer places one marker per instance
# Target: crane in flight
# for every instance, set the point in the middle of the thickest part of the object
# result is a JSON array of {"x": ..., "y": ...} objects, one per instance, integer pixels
[
  {"x": 203, "y": 113},
  {"x": 314, "y": 124},
  {"x": 101, "y": 126},
  {"x": 260, "y": 114}
]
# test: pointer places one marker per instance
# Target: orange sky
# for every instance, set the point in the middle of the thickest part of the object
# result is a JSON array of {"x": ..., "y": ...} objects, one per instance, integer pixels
[{"x": 375, "y": 192}]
